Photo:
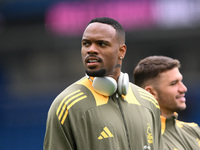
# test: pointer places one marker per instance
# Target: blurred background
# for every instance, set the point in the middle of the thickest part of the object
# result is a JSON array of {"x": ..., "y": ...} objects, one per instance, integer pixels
[{"x": 40, "y": 44}]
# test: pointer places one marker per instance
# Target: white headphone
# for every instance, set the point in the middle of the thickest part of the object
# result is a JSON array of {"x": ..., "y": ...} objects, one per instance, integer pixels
[{"x": 108, "y": 86}]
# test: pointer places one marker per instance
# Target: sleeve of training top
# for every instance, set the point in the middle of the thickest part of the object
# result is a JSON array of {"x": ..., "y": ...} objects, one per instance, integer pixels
[
  {"x": 57, "y": 136},
  {"x": 148, "y": 101},
  {"x": 159, "y": 138}
]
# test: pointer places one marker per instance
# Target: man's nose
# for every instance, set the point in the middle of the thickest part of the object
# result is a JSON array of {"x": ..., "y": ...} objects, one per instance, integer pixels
[
  {"x": 93, "y": 49},
  {"x": 183, "y": 88}
]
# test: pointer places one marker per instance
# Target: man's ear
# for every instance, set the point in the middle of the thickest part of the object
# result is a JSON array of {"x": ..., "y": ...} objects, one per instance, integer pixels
[
  {"x": 152, "y": 90},
  {"x": 122, "y": 51}
]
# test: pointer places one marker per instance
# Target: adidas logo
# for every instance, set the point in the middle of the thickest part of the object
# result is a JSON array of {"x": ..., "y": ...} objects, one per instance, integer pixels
[{"x": 105, "y": 134}]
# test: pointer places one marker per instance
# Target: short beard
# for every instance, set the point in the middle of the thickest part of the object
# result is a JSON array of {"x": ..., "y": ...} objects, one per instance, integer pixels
[{"x": 99, "y": 73}]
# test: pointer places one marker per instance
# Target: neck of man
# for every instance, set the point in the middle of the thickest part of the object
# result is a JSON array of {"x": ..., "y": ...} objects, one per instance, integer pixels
[{"x": 166, "y": 113}]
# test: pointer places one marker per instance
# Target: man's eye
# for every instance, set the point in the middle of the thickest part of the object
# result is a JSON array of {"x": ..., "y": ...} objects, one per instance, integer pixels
[
  {"x": 102, "y": 44},
  {"x": 85, "y": 43},
  {"x": 174, "y": 83}
]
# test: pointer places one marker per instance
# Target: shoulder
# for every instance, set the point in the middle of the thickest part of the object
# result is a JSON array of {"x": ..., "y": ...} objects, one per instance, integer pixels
[
  {"x": 75, "y": 100},
  {"x": 144, "y": 97},
  {"x": 69, "y": 94},
  {"x": 182, "y": 124},
  {"x": 189, "y": 127},
  {"x": 68, "y": 98}
]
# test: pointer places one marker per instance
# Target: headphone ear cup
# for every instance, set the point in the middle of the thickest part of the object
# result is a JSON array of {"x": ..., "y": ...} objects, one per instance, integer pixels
[
  {"x": 120, "y": 82},
  {"x": 123, "y": 83},
  {"x": 105, "y": 85}
]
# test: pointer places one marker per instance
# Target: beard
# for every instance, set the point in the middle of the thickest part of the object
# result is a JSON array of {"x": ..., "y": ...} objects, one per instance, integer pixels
[
  {"x": 170, "y": 105},
  {"x": 99, "y": 73}
]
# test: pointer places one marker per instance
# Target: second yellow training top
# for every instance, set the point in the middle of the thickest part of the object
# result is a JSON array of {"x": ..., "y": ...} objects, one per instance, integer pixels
[{"x": 179, "y": 135}]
